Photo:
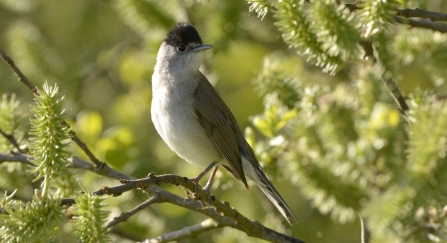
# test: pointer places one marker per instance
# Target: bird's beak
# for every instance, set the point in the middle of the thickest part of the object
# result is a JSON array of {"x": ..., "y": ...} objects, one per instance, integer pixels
[{"x": 202, "y": 47}]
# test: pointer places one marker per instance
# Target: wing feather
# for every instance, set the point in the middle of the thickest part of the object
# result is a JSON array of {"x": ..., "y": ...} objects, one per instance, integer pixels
[{"x": 219, "y": 124}]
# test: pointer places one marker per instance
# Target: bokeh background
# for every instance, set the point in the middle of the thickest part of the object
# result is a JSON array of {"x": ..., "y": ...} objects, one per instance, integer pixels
[{"x": 101, "y": 54}]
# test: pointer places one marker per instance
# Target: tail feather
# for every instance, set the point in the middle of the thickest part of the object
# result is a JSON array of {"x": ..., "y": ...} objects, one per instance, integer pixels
[
  {"x": 279, "y": 203},
  {"x": 255, "y": 172}
]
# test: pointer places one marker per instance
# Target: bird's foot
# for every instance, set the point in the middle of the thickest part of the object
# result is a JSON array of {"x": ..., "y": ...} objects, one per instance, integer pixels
[
  {"x": 195, "y": 194},
  {"x": 207, "y": 187}
]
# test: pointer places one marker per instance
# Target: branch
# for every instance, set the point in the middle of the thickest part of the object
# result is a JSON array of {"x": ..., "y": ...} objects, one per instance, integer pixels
[
  {"x": 222, "y": 213},
  {"x": 179, "y": 201},
  {"x": 124, "y": 216},
  {"x": 104, "y": 170},
  {"x": 15, "y": 158},
  {"x": 407, "y": 13},
  {"x": 389, "y": 83},
  {"x": 232, "y": 217},
  {"x": 99, "y": 164},
  {"x": 396, "y": 94},
  {"x": 422, "y": 20},
  {"x": 187, "y": 232},
  {"x": 353, "y": 6},
  {"x": 22, "y": 77},
  {"x": 251, "y": 228},
  {"x": 75, "y": 163},
  {"x": 423, "y": 23},
  {"x": 420, "y": 13},
  {"x": 67, "y": 201},
  {"x": 369, "y": 51},
  {"x": 195, "y": 206}
]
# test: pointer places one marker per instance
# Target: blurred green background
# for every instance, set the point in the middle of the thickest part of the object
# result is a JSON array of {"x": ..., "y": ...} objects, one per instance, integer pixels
[{"x": 101, "y": 54}]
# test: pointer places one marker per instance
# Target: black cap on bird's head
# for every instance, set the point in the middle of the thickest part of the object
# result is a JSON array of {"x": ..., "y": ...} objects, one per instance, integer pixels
[
  {"x": 185, "y": 39},
  {"x": 183, "y": 33}
]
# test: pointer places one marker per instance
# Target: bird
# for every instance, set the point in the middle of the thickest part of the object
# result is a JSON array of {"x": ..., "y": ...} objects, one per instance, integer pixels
[{"x": 195, "y": 122}]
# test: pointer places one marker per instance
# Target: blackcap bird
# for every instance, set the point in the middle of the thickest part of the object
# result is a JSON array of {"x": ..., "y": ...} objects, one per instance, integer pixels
[{"x": 195, "y": 122}]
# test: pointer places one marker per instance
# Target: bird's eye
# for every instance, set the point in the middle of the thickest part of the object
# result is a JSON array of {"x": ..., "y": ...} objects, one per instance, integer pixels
[{"x": 181, "y": 48}]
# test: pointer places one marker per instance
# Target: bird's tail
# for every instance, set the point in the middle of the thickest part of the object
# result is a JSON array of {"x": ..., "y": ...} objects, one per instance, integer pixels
[{"x": 255, "y": 172}]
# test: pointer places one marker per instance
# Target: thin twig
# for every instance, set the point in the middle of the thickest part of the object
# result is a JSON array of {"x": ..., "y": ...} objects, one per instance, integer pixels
[
  {"x": 124, "y": 216},
  {"x": 68, "y": 201},
  {"x": 420, "y": 13},
  {"x": 422, "y": 23},
  {"x": 104, "y": 170},
  {"x": 33, "y": 88},
  {"x": 396, "y": 94},
  {"x": 98, "y": 163},
  {"x": 22, "y": 77},
  {"x": 12, "y": 140},
  {"x": 419, "y": 18},
  {"x": 353, "y": 6},
  {"x": 187, "y": 232},
  {"x": 369, "y": 51},
  {"x": 388, "y": 82}
]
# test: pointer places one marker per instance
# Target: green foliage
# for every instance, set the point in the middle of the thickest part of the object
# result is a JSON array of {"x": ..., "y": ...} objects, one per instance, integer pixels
[
  {"x": 274, "y": 87},
  {"x": 35, "y": 221},
  {"x": 371, "y": 162},
  {"x": 11, "y": 122},
  {"x": 385, "y": 214},
  {"x": 427, "y": 158},
  {"x": 336, "y": 29},
  {"x": 424, "y": 46},
  {"x": 376, "y": 16},
  {"x": 273, "y": 120},
  {"x": 329, "y": 35},
  {"x": 139, "y": 13},
  {"x": 413, "y": 206},
  {"x": 260, "y": 7},
  {"x": 50, "y": 141},
  {"x": 90, "y": 218},
  {"x": 297, "y": 32},
  {"x": 382, "y": 44},
  {"x": 414, "y": 3}
]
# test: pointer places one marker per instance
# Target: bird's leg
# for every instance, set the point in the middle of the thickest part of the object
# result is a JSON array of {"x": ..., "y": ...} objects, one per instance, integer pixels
[
  {"x": 196, "y": 179},
  {"x": 209, "y": 183}
]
